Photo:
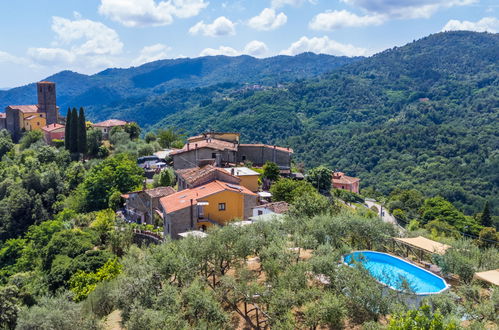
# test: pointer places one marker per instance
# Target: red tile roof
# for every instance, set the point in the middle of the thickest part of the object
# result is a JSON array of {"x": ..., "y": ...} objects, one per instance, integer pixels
[
  {"x": 341, "y": 178},
  {"x": 111, "y": 123},
  {"x": 208, "y": 143},
  {"x": 160, "y": 192},
  {"x": 191, "y": 175},
  {"x": 276, "y": 207},
  {"x": 268, "y": 146},
  {"x": 25, "y": 108},
  {"x": 182, "y": 199},
  {"x": 52, "y": 127}
]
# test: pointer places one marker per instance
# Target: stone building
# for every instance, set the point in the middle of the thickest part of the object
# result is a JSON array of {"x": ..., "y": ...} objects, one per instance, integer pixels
[
  {"x": 106, "y": 126},
  {"x": 22, "y": 118},
  {"x": 224, "y": 150},
  {"x": 194, "y": 177},
  {"x": 140, "y": 206}
]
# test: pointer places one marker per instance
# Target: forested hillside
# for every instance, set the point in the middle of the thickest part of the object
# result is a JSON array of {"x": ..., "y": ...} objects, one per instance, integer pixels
[
  {"x": 422, "y": 116},
  {"x": 129, "y": 88}
]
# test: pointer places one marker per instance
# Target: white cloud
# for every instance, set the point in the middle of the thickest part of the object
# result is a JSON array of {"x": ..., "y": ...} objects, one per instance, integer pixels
[
  {"x": 294, "y": 3},
  {"x": 222, "y": 50},
  {"x": 323, "y": 45},
  {"x": 267, "y": 20},
  {"x": 51, "y": 55},
  {"x": 222, "y": 26},
  {"x": 337, "y": 19},
  {"x": 150, "y": 12},
  {"x": 9, "y": 58},
  {"x": 406, "y": 8},
  {"x": 80, "y": 44},
  {"x": 489, "y": 24},
  {"x": 98, "y": 39},
  {"x": 255, "y": 48},
  {"x": 151, "y": 53}
]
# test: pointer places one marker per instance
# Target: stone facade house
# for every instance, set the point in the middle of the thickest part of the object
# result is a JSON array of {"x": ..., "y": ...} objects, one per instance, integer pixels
[
  {"x": 214, "y": 203},
  {"x": 106, "y": 126},
  {"x": 142, "y": 205},
  {"x": 198, "y": 176},
  {"x": 342, "y": 181},
  {"x": 224, "y": 149}
]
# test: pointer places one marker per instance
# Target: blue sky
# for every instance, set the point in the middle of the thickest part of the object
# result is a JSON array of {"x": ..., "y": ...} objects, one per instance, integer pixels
[{"x": 42, "y": 37}]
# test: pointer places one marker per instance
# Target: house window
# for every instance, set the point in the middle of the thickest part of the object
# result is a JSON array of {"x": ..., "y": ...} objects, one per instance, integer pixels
[
  {"x": 342, "y": 187},
  {"x": 38, "y": 123},
  {"x": 221, "y": 206},
  {"x": 260, "y": 212},
  {"x": 213, "y": 155},
  {"x": 244, "y": 158}
]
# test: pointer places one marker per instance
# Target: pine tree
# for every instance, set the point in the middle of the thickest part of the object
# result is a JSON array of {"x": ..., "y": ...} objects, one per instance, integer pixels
[
  {"x": 73, "y": 144},
  {"x": 486, "y": 220},
  {"x": 82, "y": 132},
  {"x": 67, "y": 130}
]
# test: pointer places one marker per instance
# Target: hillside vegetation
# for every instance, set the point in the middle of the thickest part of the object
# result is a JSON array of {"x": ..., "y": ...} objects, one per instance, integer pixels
[
  {"x": 118, "y": 89},
  {"x": 421, "y": 116}
]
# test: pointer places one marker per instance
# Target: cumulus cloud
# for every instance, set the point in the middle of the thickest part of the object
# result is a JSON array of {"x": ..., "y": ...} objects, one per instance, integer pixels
[
  {"x": 222, "y": 26},
  {"x": 255, "y": 48},
  {"x": 406, "y": 8},
  {"x": 489, "y": 24},
  {"x": 151, "y": 53},
  {"x": 337, "y": 19},
  {"x": 51, "y": 55},
  {"x": 150, "y": 12},
  {"x": 323, "y": 45},
  {"x": 222, "y": 50},
  {"x": 80, "y": 41},
  {"x": 267, "y": 20}
]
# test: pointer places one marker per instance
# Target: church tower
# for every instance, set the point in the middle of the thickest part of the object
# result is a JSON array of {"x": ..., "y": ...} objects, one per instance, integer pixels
[{"x": 47, "y": 102}]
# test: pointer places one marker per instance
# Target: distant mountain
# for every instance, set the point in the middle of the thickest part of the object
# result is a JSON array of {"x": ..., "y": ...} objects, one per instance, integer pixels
[
  {"x": 111, "y": 87},
  {"x": 425, "y": 116}
]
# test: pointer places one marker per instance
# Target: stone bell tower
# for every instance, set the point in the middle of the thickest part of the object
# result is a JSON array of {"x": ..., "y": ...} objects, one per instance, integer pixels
[{"x": 47, "y": 102}]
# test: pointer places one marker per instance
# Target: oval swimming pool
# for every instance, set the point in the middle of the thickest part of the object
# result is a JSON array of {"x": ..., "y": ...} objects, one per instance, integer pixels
[{"x": 397, "y": 273}]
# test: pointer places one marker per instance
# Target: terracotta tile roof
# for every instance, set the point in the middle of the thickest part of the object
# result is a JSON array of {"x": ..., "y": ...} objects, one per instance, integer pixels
[
  {"x": 160, "y": 192},
  {"x": 153, "y": 193},
  {"x": 25, "y": 108},
  {"x": 208, "y": 143},
  {"x": 111, "y": 123},
  {"x": 341, "y": 178},
  {"x": 182, "y": 199},
  {"x": 267, "y": 146},
  {"x": 52, "y": 127},
  {"x": 276, "y": 207},
  {"x": 192, "y": 175}
]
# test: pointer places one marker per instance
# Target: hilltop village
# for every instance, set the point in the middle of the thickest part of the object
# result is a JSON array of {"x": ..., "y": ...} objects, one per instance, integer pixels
[{"x": 215, "y": 175}]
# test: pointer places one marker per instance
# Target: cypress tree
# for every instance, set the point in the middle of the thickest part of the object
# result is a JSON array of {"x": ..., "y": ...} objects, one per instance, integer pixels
[
  {"x": 67, "y": 130},
  {"x": 486, "y": 220},
  {"x": 82, "y": 132},
  {"x": 73, "y": 144}
]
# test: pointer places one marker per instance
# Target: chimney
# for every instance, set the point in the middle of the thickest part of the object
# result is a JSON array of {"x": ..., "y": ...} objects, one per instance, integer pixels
[
  {"x": 144, "y": 185},
  {"x": 196, "y": 146},
  {"x": 188, "y": 146},
  {"x": 232, "y": 171}
]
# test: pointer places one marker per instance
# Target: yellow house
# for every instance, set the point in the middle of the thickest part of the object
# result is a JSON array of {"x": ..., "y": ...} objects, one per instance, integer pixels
[
  {"x": 32, "y": 121},
  {"x": 248, "y": 177},
  {"x": 215, "y": 203}
]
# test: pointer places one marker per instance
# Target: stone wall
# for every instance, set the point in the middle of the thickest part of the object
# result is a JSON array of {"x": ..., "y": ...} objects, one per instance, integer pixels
[{"x": 259, "y": 155}]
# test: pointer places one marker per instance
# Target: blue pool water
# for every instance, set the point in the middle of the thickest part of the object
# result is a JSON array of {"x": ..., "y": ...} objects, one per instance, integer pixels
[{"x": 395, "y": 272}]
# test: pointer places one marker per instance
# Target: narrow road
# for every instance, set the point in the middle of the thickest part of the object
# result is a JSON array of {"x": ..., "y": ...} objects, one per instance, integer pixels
[{"x": 384, "y": 214}]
